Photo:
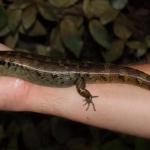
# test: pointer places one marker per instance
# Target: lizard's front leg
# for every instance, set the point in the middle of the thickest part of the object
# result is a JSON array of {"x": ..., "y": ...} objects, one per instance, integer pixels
[{"x": 81, "y": 88}]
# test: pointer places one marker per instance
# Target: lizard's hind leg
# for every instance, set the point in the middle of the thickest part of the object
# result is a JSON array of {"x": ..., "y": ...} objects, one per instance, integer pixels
[{"x": 81, "y": 88}]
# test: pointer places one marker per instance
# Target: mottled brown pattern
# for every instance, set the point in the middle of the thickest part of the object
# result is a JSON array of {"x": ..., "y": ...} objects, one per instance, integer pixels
[{"x": 47, "y": 72}]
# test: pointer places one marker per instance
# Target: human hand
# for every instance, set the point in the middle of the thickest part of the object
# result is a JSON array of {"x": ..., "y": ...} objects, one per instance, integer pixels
[{"x": 119, "y": 107}]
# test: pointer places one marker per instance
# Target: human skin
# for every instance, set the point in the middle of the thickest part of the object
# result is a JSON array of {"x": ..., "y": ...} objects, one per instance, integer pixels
[{"x": 120, "y": 107}]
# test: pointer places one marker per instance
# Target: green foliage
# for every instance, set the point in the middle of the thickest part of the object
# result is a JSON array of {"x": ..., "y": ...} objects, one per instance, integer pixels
[
  {"x": 100, "y": 34},
  {"x": 36, "y": 131},
  {"x": 61, "y": 130},
  {"x": 3, "y": 17},
  {"x": 70, "y": 35},
  {"x": 46, "y": 11},
  {"x": 14, "y": 19},
  {"x": 62, "y": 3},
  {"x": 115, "y": 52},
  {"x": 121, "y": 31},
  {"x": 95, "y": 8},
  {"x": 118, "y": 4},
  {"x": 139, "y": 46},
  {"x": 116, "y": 144},
  {"x": 29, "y": 17},
  {"x": 62, "y": 27}
]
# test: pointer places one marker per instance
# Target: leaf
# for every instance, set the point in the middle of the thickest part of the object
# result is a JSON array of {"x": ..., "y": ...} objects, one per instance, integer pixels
[
  {"x": 77, "y": 20},
  {"x": 14, "y": 19},
  {"x": 118, "y": 4},
  {"x": 29, "y": 16},
  {"x": 3, "y": 17},
  {"x": 31, "y": 136},
  {"x": 57, "y": 48},
  {"x": 62, "y": 3},
  {"x": 147, "y": 40},
  {"x": 95, "y": 8},
  {"x": 22, "y": 29},
  {"x": 134, "y": 44},
  {"x": 4, "y": 31},
  {"x": 139, "y": 46},
  {"x": 100, "y": 34},
  {"x": 115, "y": 52},
  {"x": 116, "y": 144},
  {"x": 78, "y": 144},
  {"x": 42, "y": 49},
  {"x": 124, "y": 20},
  {"x": 2, "y": 132},
  {"x": 141, "y": 144},
  {"x": 13, "y": 129},
  {"x": 109, "y": 16},
  {"x": 20, "y": 4},
  {"x": 70, "y": 36},
  {"x": 11, "y": 40},
  {"x": 46, "y": 11},
  {"x": 13, "y": 143},
  {"x": 61, "y": 130},
  {"x": 122, "y": 31},
  {"x": 38, "y": 30}
]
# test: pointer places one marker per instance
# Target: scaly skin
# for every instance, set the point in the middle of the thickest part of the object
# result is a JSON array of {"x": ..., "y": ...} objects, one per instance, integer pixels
[{"x": 44, "y": 71}]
